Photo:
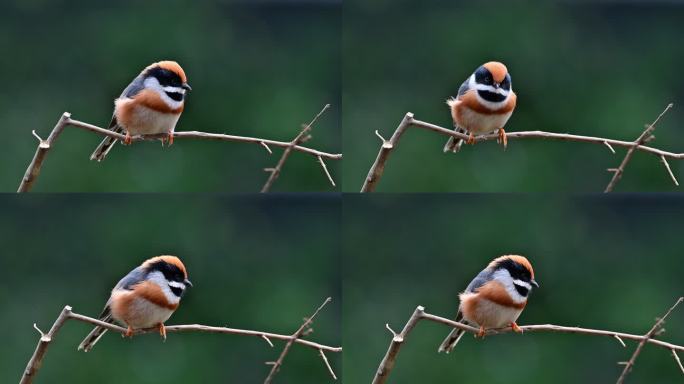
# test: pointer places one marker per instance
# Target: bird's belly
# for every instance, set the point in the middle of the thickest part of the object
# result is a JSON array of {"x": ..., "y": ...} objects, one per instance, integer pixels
[
  {"x": 492, "y": 315},
  {"x": 141, "y": 313},
  {"x": 479, "y": 123},
  {"x": 146, "y": 121}
]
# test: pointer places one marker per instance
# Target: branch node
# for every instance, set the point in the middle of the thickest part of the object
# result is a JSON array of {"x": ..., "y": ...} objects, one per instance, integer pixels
[
  {"x": 267, "y": 148},
  {"x": 267, "y": 340},
  {"x": 380, "y": 136},
  {"x": 394, "y": 334},
  {"x": 609, "y": 147},
  {"x": 42, "y": 334}
]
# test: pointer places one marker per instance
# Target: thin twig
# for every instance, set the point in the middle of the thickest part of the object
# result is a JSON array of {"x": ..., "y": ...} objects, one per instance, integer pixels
[
  {"x": 377, "y": 169},
  {"x": 679, "y": 362},
  {"x": 325, "y": 169},
  {"x": 647, "y": 336},
  {"x": 300, "y": 138},
  {"x": 388, "y": 361},
  {"x": 295, "y": 336},
  {"x": 643, "y": 138},
  {"x": 669, "y": 171},
  {"x": 36, "y": 360},
  {"x": 332, "y": 373},
  {"x": 33, "y": 170}
]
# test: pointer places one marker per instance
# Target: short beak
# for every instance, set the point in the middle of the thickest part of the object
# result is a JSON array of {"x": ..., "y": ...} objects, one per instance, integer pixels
[
  {"x": 187, "y": 282},
  {"x": 534, "y": 282},
  {"x": 186, "y": 86}
]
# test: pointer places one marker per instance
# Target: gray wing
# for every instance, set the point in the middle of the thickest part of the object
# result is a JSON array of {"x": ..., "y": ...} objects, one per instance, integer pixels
[
  {"x": 464, "y": 87},
  {"x": 134, "y": 87},
  {"x": 479, "y": 280},
  {"x": 134, "y": 277}
]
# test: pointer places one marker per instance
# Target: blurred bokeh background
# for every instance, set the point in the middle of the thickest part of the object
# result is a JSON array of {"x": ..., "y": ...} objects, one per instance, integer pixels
[
  {"x": 258, "y": 68},
  {"x": 256, "y": 263},
  {"x": 611, "y": 264},
  {"x": 595, "y": 67}
]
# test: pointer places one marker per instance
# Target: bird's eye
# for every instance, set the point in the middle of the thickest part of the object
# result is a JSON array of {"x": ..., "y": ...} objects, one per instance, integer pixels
[{"x": 488, "y": 79}]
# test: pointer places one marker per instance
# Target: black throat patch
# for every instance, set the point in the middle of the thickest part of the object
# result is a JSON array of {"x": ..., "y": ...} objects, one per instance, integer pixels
[
  {"x": 179, "y": 292},
  {"x": 521, "y": 290},
  {"x": 491, "y": 96},
  {"x": 175, "y": 96}
]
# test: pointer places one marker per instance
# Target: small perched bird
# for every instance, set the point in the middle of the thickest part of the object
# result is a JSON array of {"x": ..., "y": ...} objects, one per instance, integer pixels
[
  {"x": 144, "y": 298},
  {"x": 495, "y": 298},
  {"x": 150, "y": 104},
  {"x": 484, "y": 104}
]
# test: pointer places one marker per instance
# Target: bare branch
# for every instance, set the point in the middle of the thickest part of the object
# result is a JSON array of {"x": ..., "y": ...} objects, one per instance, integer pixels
[
  {"x": 300, "y": 138},
  {"x": 620, "y": 340},
  {"x": 647, "y": 336},
  {"x": 36, "y": 360},
  {"x": 387, "y": 363},
  {"x": 377, "y": 169},
  {"x": 398, "y": 340},
  {"x": 295, "y": 336},
  {"x": 643, "y": 138},
  {"x": 33, "y": 170}
]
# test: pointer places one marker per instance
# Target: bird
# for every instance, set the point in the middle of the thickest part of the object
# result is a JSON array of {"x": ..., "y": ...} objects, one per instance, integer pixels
[
  {"x": 146, "y": 297},
  {"x": 495, "y": 298},
  {"x": 484, "y": 103},
  {"x": 151, "y": 104}
]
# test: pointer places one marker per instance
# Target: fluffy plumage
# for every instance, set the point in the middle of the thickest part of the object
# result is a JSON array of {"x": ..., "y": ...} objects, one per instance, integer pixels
[
  {"x": 146, "y": 297},
  {"x": 495, "y": 298},
  {"x": 152, "y": 103},
  {"x": 484, "y": 103}
]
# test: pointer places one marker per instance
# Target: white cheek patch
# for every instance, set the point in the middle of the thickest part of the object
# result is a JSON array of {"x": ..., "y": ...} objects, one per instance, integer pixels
[
  {"x": 523, "y": 284},
  {"x": 489, "y": 88},
  {"x": 175, "y": 284},
  {"x": 174, "y": 90}
]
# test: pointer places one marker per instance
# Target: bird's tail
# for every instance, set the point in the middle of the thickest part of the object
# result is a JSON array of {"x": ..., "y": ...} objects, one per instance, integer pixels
[
  {"x": 452, "y": 339},
  {"x": 94, "y": 336},
  {"x": 106, "y": 145},
  {"x": 454, "y": 144}
]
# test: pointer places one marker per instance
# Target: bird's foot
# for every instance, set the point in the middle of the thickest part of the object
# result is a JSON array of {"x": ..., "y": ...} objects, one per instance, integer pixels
[
  {"x": 516, "y": 328},
  {"x": 481, "y": 332},
  {"x": 129, "y": 139},
  {"x": 162, "y": 331},
  {"x": 502, "y": 138},
  {"x": 129, "y": 332},
  {"x": 168, "y": 140},
  {"x": 471, "y": 139}
]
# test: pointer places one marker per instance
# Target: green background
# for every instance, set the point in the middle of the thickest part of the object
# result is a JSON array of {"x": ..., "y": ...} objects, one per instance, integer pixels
[
  {"x": 257, "y": 69},
  {"x": 597, "y": 68},
  {"x": 612, "y": 264},
  {"x": 256, "y": 263}
]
